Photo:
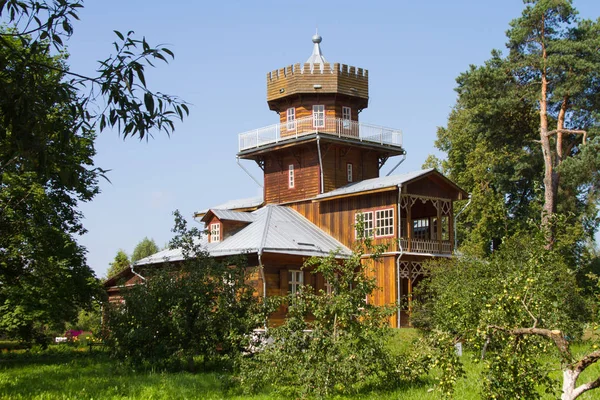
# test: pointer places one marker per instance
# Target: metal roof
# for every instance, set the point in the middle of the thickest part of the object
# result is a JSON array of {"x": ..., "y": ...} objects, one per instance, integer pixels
[
  {"x": 235, "y": 204},
  {"x": 171, "y": 254},
  {"x": 375, "y": 183},
  {"x": 228, "y": 215},
  {"x": 317, "y": 56},
  {"x": 279, "y": 229},
  {"x": 274, "y": 229}
]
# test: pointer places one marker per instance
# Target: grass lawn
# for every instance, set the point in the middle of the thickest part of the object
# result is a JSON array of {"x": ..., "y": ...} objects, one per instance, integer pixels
[{"x": 78, "y": 374}]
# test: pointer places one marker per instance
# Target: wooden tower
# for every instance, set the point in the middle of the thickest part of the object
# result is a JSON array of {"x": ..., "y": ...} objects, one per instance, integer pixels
[{"x": 319, "y": 144}]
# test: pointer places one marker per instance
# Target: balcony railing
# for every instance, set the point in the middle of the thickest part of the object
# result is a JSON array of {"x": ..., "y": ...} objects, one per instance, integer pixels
[
  {"x": 342, "y": 128},
  {"x": 426, "y": 246}
]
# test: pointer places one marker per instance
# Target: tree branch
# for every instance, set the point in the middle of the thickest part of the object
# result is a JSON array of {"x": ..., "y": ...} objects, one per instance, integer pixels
[
  {"x": 555, "y": 335},
  {"x": 571, "y": 131}
]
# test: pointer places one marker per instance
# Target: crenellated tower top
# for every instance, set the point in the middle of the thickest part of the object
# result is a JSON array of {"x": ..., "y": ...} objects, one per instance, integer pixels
[{"x": 317, "y": 77}]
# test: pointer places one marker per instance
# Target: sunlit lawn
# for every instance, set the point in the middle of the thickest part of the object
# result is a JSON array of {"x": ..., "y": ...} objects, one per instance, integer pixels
[{"x": 79, "y": 374}]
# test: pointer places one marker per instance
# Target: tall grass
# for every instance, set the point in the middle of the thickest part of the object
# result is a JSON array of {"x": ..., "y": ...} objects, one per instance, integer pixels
[{"x": 70, "y": 373}]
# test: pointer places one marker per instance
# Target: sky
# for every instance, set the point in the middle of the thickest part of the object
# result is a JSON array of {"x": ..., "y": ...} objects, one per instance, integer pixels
[{"x": 414, "y": 50}]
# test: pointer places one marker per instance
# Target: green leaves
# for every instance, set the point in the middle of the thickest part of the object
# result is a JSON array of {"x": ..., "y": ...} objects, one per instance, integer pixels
[
  {"x": 329, "y": 344},
  {"x": 198, "y": 307}
]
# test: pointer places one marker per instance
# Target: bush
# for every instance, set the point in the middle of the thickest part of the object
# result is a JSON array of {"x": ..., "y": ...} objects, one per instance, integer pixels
[
  {"x": 329, "y": 343},
  {"x": 200, "y": 309}
]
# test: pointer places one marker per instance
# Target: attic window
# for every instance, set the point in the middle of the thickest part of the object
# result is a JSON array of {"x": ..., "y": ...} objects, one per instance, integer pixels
[{"x": 215, "y": 232}]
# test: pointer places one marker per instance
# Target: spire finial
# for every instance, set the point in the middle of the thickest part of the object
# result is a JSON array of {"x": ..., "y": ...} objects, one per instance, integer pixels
[
  {"x": 316, "y": 38},
  {"x": 317, "y": 56}
]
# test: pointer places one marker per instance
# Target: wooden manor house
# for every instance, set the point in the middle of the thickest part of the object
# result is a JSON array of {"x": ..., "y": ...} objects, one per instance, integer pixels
[{"x": 321, "y": 169}]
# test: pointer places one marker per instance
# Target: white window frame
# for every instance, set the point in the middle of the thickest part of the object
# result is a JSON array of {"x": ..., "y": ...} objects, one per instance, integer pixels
[
  {"x": 318, "y": 116},
  {"x": 346, "y": 116},
  {"x": 329, "y": 285},
  {"x": 367, "y": 224},
  {"x": 215, "y": 232},
  {"x": 291, "y": 177},
  {"x": 349, "y": 175},
  {"x": 295, "y": 280},
  {"x": 291, "y": 119},
  {"x": 421, "y": 224},
  {"x": 384, "y": 222}
]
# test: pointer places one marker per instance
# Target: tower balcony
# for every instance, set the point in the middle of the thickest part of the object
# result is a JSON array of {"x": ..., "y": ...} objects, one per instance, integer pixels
[{"x": 334, "y": 127}]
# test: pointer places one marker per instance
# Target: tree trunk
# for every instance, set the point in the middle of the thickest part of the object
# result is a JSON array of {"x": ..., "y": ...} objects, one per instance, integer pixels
[
  {"x": 569, "y": 382},
  {"x": 550, "y": 177}
]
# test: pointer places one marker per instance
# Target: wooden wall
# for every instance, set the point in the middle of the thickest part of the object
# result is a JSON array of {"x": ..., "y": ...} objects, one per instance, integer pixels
[
  {"x": 335, "y": 157},
  {"x": 307, "y": 182},
  {"x": 303, "y": 106},
  {"x": 337, "y": 217},
  {"x": 307, "y": 179},
  {"x": 384, "y": 272}
]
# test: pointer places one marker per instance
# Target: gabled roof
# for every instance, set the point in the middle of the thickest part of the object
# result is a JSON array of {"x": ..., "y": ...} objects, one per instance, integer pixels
[
  {"x": 385, "y": 182},
  {"x": 273, "y": 229},
  {"x": 374, "y": 184},
  {"x": 228, "y": 215},
  {"x": 170, "y": 254},
  {"x": 279, "y": 229},
  {"x": 247, "y": 203}
]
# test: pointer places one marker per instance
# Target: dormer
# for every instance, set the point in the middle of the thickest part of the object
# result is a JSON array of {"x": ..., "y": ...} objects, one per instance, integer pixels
[{"x": 221, "y": 224}]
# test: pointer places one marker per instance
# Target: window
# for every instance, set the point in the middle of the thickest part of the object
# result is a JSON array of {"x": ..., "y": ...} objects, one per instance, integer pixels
[
  {"x": 295, "y": 280},
  {"x": 329, "y": 286},
  {"x": 318, "y": 116},
  {"x": 215, "y": 232},
  {"x": 384, "y": 222},
  {"x": 346, "y": 117},
  {"x": 434, "y": 228},
  {"x": 291, "y": 176},
  {"x": 367, "y": 220},
  {"x": 291, "y": 119},
  {"x": 421, "y": 228},
  {"x": 445, "y": 228},
  {"x": 349, "y": 172}
]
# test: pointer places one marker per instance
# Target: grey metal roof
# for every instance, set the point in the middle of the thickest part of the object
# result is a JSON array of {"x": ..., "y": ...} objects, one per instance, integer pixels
[
  {"x": 317, "y": 56},
  {"x": 170, "y": 254},
  {"x": 228, "y": 215},
  {"x": 279, "y": 229},
  {"x": 274, "y": 229},
  {"x": 375, "y": 183},
  {"x": 239, "y": 203}
]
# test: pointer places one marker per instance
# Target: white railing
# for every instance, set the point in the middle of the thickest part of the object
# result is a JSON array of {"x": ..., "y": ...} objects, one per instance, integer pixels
[
  {"x": 342, "y": 128},
  {"x": 426, "y": 246}
]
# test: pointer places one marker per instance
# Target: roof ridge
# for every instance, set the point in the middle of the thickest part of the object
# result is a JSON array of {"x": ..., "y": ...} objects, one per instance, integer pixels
[{"x": 263, "y": 241}]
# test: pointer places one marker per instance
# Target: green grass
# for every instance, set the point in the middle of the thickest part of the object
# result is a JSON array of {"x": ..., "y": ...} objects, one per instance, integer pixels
[{"x": 69, "y": 373}]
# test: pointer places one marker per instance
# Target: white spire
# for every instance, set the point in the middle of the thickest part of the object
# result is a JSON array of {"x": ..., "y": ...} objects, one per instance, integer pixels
[{"x": 317, "y": 56}]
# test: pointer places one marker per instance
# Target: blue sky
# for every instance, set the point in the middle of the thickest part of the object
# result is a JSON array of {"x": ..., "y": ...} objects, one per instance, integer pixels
[{"x": 413, "y": 50}]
